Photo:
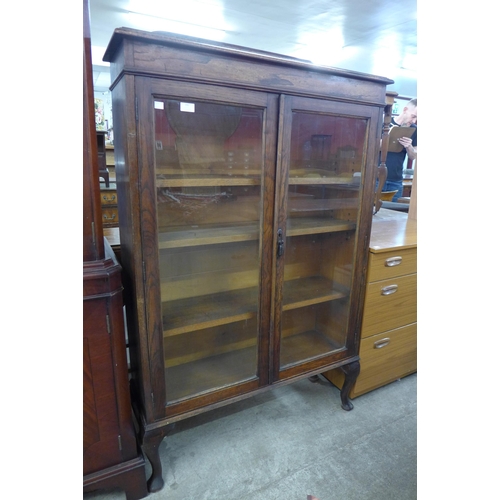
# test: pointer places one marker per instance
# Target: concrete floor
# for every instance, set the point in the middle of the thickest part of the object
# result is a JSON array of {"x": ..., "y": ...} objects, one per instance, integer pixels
[{"x": 295, "y": 441}]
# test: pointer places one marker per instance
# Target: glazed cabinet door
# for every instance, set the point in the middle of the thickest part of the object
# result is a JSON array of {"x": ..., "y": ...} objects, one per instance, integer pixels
[
  {"x": 322, "y": 186},
  {"x": 206, "y": 178}
]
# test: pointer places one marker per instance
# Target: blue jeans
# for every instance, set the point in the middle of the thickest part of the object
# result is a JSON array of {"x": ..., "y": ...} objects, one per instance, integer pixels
[{"x": 392, "y": 186}]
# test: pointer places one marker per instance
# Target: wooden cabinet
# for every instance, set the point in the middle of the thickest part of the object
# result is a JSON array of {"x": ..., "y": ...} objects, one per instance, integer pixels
[
  {"x": 388, "y": 348},
  {"x": 245, "y": 188},
  {"x": 111, "y": 454}
]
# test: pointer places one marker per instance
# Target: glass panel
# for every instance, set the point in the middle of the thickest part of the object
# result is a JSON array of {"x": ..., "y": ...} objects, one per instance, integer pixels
[
  {"x": 326, "y": 156},
  {"x": 208, "y": 160}
]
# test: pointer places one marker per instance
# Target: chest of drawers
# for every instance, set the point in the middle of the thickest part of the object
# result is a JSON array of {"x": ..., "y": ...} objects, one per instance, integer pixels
[
  {"x": 388, "y": 347},
  {"x": 109, "y": 206}
]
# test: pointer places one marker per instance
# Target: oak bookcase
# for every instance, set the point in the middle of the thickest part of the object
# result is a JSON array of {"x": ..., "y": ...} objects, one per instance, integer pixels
[{"x": 245, "y": 187}]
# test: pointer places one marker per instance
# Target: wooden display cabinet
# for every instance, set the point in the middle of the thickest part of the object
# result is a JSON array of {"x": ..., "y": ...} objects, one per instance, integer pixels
[{"x": 245, "y": 187}]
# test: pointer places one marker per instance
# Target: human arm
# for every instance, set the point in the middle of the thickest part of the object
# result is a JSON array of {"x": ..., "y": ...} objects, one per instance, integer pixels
[{"x": 411, "y": 150}]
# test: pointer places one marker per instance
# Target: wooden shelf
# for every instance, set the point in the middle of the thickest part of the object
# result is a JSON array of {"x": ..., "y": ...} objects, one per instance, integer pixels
[
  {"x": 189, "y": 236},
  {"x": 252, "y": 178},
  {"x": 206, "y": 311},
  {"x": 233, "y": 180},
  {"x": 308, "y": 291},
  {"x": 312, "y": 177},
  {"x": 189, "y": 379},
  {"x": 237, "y": 365},
  {"x": 321, "y": 204},
  {"x": 305, "y": 345},
  {"x": 189, "y": 357},
  {"x": 204, "y": 172},
  {"x": 313, "y": 225}
]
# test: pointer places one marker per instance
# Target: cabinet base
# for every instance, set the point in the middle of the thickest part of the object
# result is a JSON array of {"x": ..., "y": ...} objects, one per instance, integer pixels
[
  {"x": 129, "y": 476},
  {"x": 151, "y": 438},
  {"x": 351, "y": 372}
]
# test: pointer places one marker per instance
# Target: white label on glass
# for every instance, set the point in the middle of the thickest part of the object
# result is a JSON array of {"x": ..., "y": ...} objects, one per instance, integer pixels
[
  {"x": 187, "y": 107},
  {"x": 158, "y": 104}
]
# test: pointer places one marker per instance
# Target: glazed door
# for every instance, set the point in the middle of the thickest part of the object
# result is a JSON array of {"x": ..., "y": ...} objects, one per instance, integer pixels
[
  {"x": 207, "y": 181},
  {"x": 324, "y": 148}
]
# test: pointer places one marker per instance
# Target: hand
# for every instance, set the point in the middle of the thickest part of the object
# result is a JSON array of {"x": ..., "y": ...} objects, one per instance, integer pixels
[{"x": 405, "y": 141}]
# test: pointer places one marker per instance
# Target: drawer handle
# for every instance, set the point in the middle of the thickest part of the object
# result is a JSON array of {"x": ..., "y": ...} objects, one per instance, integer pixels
[
  {"x": 105, "y": 198},
  {"x": 389, "y": 290},
  {"x": 105, "y": 217},
  {"x": 393, "y": 261},
  {"x": 381, "y": 343}
]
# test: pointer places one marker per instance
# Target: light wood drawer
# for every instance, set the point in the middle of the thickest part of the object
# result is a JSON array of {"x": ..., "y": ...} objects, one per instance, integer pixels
[
  {"x": 110, "y": 157},
  {"x": 387, "y": 357},
  {"x": 386, "y": 265},
  {"x": 389, "y": 304},
  {"x": 110, "y": 215},
  {"x": 383, "y": 359},
  {"x": 108, "y": 198}
]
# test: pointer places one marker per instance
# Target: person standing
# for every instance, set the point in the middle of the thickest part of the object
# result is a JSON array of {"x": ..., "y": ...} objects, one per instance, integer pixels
[{"x": 395, "y": 161}]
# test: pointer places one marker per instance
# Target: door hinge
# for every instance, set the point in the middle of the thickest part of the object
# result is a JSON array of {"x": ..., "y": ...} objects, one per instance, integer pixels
[
  {"x": 119, "y": 442},
  {"x": 108, "y": 323},
  {"x": 136, "y": 109}
]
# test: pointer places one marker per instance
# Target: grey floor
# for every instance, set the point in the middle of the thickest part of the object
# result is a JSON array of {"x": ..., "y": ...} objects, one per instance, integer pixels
[{"x": 295, "y": 441}]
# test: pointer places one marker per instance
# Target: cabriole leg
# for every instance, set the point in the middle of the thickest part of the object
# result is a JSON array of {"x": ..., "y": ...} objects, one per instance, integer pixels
[
  {"x": 351, "y": 372},
  {"x": 151, "y": 447}
]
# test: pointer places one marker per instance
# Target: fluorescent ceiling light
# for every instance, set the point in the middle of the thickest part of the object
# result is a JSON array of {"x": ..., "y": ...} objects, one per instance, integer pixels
[
  {"x": 198, "y": 18},
  {"x": 321, "y": 47}
]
